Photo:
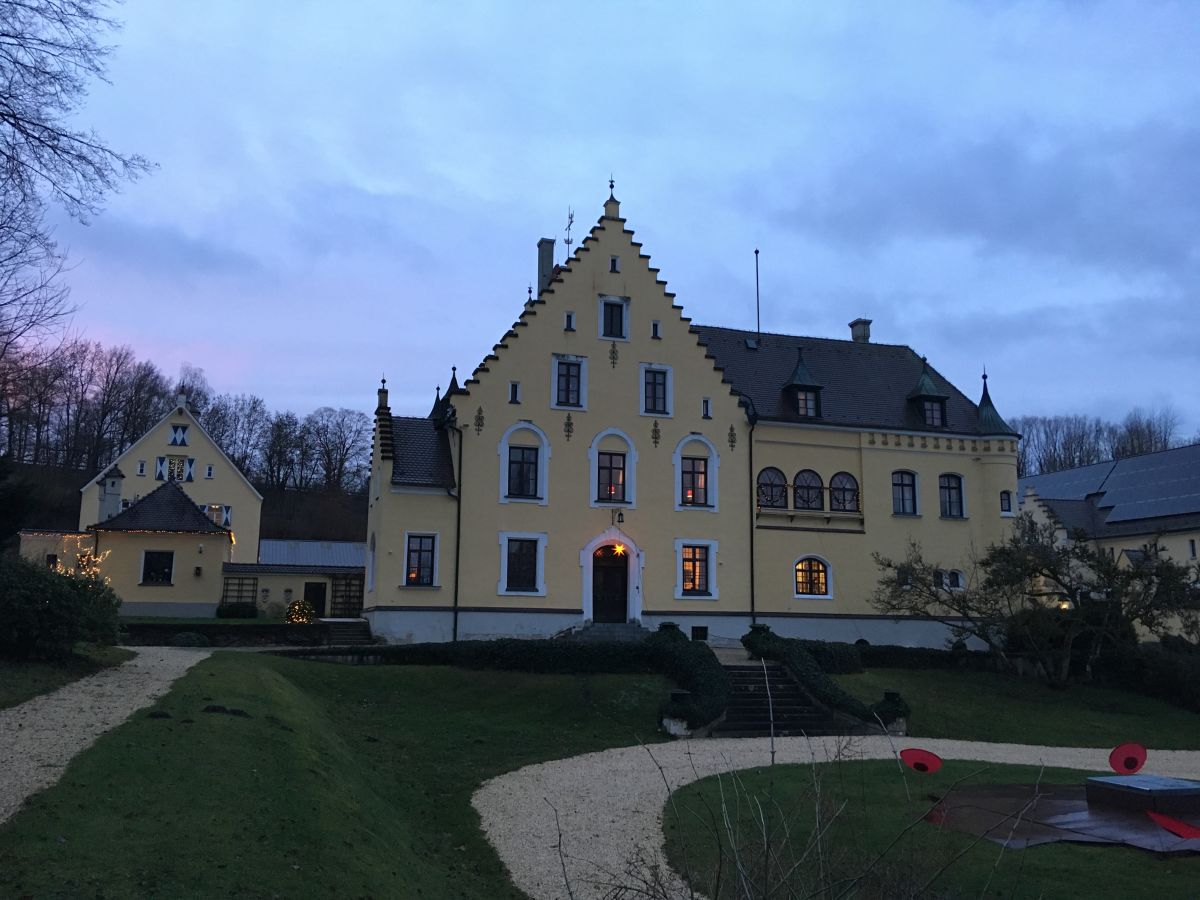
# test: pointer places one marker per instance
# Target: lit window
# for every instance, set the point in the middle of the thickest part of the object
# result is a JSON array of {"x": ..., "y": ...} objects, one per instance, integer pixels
[
  {"x": 904, "y": 494},
  {"x": 174, "y": 468},
  {"x": 656, "y": 391},
  {"x": 568, "y": 375},
  {"x": 812, "y": 578},
  {"x": 950, "y": 492},
  {"x": 809, "y": 490},
  {"x": 693, "y": 481},
  {"x": 772, "y": 489},
  {"x": 614, "y": 319},
  {"x": 610, "y": 477},
  {"x": 935, "y": 413},
  {"x": 806, "y": 404},
  {"x": 157, "y": 566},
  {"x": 1006, "y": 501},
  {"x": 843, "y": 493},
  {"x": 522, "y": 565},
  {"x": 419, "y": 570},
  {"x": 522, "y": 472},
  {"x": 695, "y": 569}
]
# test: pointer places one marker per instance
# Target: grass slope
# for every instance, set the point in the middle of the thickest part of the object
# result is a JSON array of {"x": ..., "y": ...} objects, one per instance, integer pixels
[
  {"x": 877, "y": 810},
  {"x": 23, "y": 680},
  {"x": 342, "y": 782},
  {"x": 989, "y": 706}
]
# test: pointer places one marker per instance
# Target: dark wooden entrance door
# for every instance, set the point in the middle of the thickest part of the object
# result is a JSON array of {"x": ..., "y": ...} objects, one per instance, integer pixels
[
  {"x": 610, "y": 584},
  {"x": 314, "y": 593}
]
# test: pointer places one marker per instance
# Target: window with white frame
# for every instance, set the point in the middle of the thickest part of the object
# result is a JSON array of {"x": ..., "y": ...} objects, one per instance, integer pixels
[
  {"x": 568, "y": 382},
  {"x": 950, "y": 496},
  {"x": 208, "y": 471},
  {"x": 949, "y": 579},
  {"x": 1006, "y": 503},
  {"x": 524, "y": 464},
  {"x": 904, "y": 493},
  {"x": 695, "y": 569},
  {"x": 812, "y": 577},
  {"x": 657, "y": 390},
  {"x": 612, "y": 462},
  {"x": 697, "y": 466},
  {"x": 420, "y": 569},
  {"x": 613, "y": 318},
  {"x": 522, "y": 563},
  {"x": 141, "y": 467}
]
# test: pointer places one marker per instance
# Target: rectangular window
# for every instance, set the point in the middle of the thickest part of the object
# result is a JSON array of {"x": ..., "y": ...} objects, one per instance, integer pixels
[
  {"x": 654, "y": 333},
  {"x": 904, "y": 494},
  {"x": 569, "y": 322},
  {"x": 514, "y": 392},
  {"x": 1191, "y": 548},
  {"x": 419, "y": 570},
  {"x": 706, "y": 408},
  {"x": 614, "y": 320},
  {"x": 176, "y": 468},
  {"x": 157, "y": 566},
  {"x": 1005, "y": 501},
  {"x": 935, "y": 413},
  {"x": 614, "y": 264},
  {"x": 523, "y": 472},
  {"x": 141, "y": 469},
  {"x": 51, "y": 560},
  {"x": 208, "y": 471},
  {"x": 568, "y": 383},
  {"x": 522, "y": 565},
  {"x": 950, "y": 491},
  {"x": 695, "y": 569},
  {"x": 656, "y": 391},
  {"x": 610, "y": 477},
  {"x": 806, "y": 403},
  {"x": 693, "y": 478}
]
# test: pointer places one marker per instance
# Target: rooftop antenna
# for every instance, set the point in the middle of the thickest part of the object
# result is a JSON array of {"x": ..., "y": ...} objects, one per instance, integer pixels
[
  {"x": 570, "y": 222},
  {"x": 757, "y": 304}
]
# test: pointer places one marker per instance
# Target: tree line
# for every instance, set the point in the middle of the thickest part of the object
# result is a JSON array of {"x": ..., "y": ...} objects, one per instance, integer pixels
[
  {"x": 81, "y": 405},
  {"x": 1053, "y": 443}
]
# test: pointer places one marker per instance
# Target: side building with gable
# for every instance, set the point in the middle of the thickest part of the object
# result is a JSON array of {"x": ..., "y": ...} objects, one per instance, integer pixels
[{"x": 610, "y": 462}]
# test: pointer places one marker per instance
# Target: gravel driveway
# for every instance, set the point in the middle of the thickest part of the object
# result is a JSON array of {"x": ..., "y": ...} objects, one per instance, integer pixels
[
  {"x": 609, "y": 804},
  {"x": 39, "y": 737}
]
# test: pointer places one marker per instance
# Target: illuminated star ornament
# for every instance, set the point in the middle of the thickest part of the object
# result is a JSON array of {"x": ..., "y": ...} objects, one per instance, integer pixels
[{"x": 619, "y": 550}]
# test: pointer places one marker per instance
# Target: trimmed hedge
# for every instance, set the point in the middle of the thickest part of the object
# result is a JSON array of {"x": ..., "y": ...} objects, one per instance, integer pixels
[
  {"x": 239, "y": 610},
  {"x": 889, "y": 656},
  {"x": 764, "y": 644},
  {"x": 834, "y": 657},
  {"x": 1153, "y": 670},
  {"x": 691, "y": 665}
]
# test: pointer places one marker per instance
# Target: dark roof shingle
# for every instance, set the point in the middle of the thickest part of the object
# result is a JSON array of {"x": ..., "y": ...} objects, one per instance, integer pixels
[
  {"x": 168, "y": 508},
  {"x": 421, "y": 453}
]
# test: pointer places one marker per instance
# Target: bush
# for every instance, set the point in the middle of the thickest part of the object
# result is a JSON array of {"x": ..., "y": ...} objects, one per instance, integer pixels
[
  {"x": 834, "y": 657},
  {"x": 1174, "y": 643},
  {"x": 691, "y": 665},
  {"x": 1152, "y": 670},
  {"x": 763, "y": 644},
  {"x": 890, "y": 708},
  {"x": 43, "y": 614},
  {"x": 241, "y": 610},
  {"x": 190, "y": 639},
  {"x": 890, "y": 656},
  {"x": 300, "y": 612}
]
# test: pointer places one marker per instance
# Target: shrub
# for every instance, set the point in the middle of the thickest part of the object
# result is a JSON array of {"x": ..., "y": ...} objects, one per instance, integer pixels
[
  {"x": 1175, "y": 643},
  {"x": 890, "y": 708},
  {"x": 43, "y": 614},
  {"x": 240, "y": 610},
  {"x": 1152, "y": 670},
  {"x": 189, "y": 639},
  {"x": 890, "y": 656},
  {"x": 300, "y": 612},
  {"x": 834, "y": 657},
  {"x": 764, "y": 644}
]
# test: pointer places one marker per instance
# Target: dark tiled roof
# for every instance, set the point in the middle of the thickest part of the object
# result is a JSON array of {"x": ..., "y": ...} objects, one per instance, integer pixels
[
  {"x": 865, "y": 385},
  {"x": 168, "y": 508},
  {"x": 421, "y": 453},
  {"x": 1137, "y": 495}
]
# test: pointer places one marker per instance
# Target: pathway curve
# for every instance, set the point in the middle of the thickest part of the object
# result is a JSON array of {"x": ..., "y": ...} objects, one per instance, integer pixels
[
  {"x": 40, "y": 736},
  {"x": 609, "y": 804}
]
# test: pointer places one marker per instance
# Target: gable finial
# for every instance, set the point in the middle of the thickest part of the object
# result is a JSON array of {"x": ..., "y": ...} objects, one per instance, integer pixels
[
  {"x": 529, "y": 290},
  {"x": 570, "y": 221},
  {"x": 383, "y": 381},
  {"x": 438, "y": 392},
  {"x": 985, "y": 373},
  {"x": 612, "y": 185}
]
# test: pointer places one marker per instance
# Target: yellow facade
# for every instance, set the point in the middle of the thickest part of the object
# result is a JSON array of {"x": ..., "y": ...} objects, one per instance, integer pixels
[
  {"x": 194, "y": 586},
  {"x": 511, "y": 401}
]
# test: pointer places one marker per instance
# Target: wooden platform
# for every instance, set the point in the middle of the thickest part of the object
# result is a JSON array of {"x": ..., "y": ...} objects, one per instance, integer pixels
[{"x": 1173, "y": 796}]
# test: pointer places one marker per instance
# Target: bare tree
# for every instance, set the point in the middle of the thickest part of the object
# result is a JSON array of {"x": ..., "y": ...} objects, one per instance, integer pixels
[
  {"x": 1146, "y": 431},
  {"x": 278, "y": 468},
  {"x": 341, "y": 438},
  {"x": 193, "y": 384},
  {"x": 239, "y": 423}
]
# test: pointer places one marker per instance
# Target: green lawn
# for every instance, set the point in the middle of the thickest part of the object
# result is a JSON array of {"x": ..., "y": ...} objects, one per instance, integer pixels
[
  {"x": 182, "y": 620},
  {"x": 988, "y": 706},
  {"x": 876, "y": 810},
  {"x": 19, "y": 681},
  {"x": 342, "y": 781}
]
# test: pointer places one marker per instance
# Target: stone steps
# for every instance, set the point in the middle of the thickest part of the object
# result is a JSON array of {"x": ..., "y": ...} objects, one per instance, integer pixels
[{"x": 766, "y": 700}]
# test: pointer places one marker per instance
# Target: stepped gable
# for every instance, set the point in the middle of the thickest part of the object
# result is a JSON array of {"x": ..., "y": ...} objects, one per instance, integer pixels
[
  {"x": 167, "y": 508},
  {"x": 863, "y": 384}
]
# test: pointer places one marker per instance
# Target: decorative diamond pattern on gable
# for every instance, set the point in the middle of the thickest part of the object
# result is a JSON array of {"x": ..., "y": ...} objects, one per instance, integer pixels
[
  {"x": 179, "y": 435},
  {"x": 160, "y": 469}
]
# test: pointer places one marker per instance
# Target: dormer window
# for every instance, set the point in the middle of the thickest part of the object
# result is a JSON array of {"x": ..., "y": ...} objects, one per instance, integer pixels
[
  {"x": 935, "y": 413},
  {"x": 804, "y": 388},
  {"x": 808, "y": 404}
]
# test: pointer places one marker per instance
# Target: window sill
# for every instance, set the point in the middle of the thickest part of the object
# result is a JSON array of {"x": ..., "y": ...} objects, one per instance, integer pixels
[
  {"x": 576, "y": 407},
  {"x": 694, "y": 506},
  {"x": 609, "y": 501},
  {"x": 953, "y": 518},
  {"x": 696, "y": 595},
  {"x": 812, "y": 596},
  {"x": 521, "y": 593},
  {"x": 658, "y": 414},
  {"x": 614, "y": 337},
  {"x": 525, "y": 498},
  {"x": 162, "y": 584},
  {"x": 897, "y": 515},
  {"x": 420, "y": 587}
]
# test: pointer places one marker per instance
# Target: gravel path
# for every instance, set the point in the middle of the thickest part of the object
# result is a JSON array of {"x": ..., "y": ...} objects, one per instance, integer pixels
[
  {"x": 609, "y": 804},
  {"x": 40, "y": 736}
]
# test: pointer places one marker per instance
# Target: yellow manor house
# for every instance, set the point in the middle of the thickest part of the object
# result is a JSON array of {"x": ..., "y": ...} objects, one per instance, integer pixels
[{"x": 611, "y": 462}]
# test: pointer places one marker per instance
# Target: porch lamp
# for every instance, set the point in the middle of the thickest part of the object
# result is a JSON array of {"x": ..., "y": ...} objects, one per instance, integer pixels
[{"x": 617, "y": 517}]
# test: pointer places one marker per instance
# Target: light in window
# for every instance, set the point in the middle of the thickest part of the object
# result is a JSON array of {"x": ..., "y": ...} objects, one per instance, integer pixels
[
  {"x": 610, "y": 477},
  {"x": 695, "y": 569},
  {"x": 694, "y": 481},
  {"x": 812, "y": 577}
]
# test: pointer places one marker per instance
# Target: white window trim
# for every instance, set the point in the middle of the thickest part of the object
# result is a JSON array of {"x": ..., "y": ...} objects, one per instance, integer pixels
[
  {"x": 611, "y": 298},
  {"x": 916, "y": 495},
  {"x": 962, "y": 484},
  {"x": 714, "y": 467},
  {"x": 658, "y": 367},
  {"x": 142, "y": 570},
  {"x": 828, "y": 595},
  {"x": 505, "y": 537},
  {"x": 543, "y": 475},
  {"x": 714, "y": 592},
  {"x": 437, "y": 559},
  {"x": 141, "y": 467},
  {"x": 631, "y": 458},
  {"x": 555, "y": 359},
  {"x": 517, "y": 393},
  {"x": 1012, "y": 506},
  {"x": 208, "y": 470}
]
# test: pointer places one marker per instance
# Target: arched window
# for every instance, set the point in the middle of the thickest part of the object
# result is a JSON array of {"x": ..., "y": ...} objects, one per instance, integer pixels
[
  {"x": 812, "y": 577},
  {"x": 772, "y": 489},
  {"x": 612, "y": 463},
  {"x": 1006, "y": 503},
  {"x": 904, "y": 494},
  {"x": 843, "y": 492},
  {"x": 697, "y": 465},
  {"x": 808, "y": 490},
  {"x": 524, "y": 464},
  {"x": 950, "y": 493}
]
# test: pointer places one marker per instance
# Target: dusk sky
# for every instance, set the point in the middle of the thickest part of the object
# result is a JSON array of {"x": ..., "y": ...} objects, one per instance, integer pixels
[{"x": 347, "y": 190}]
